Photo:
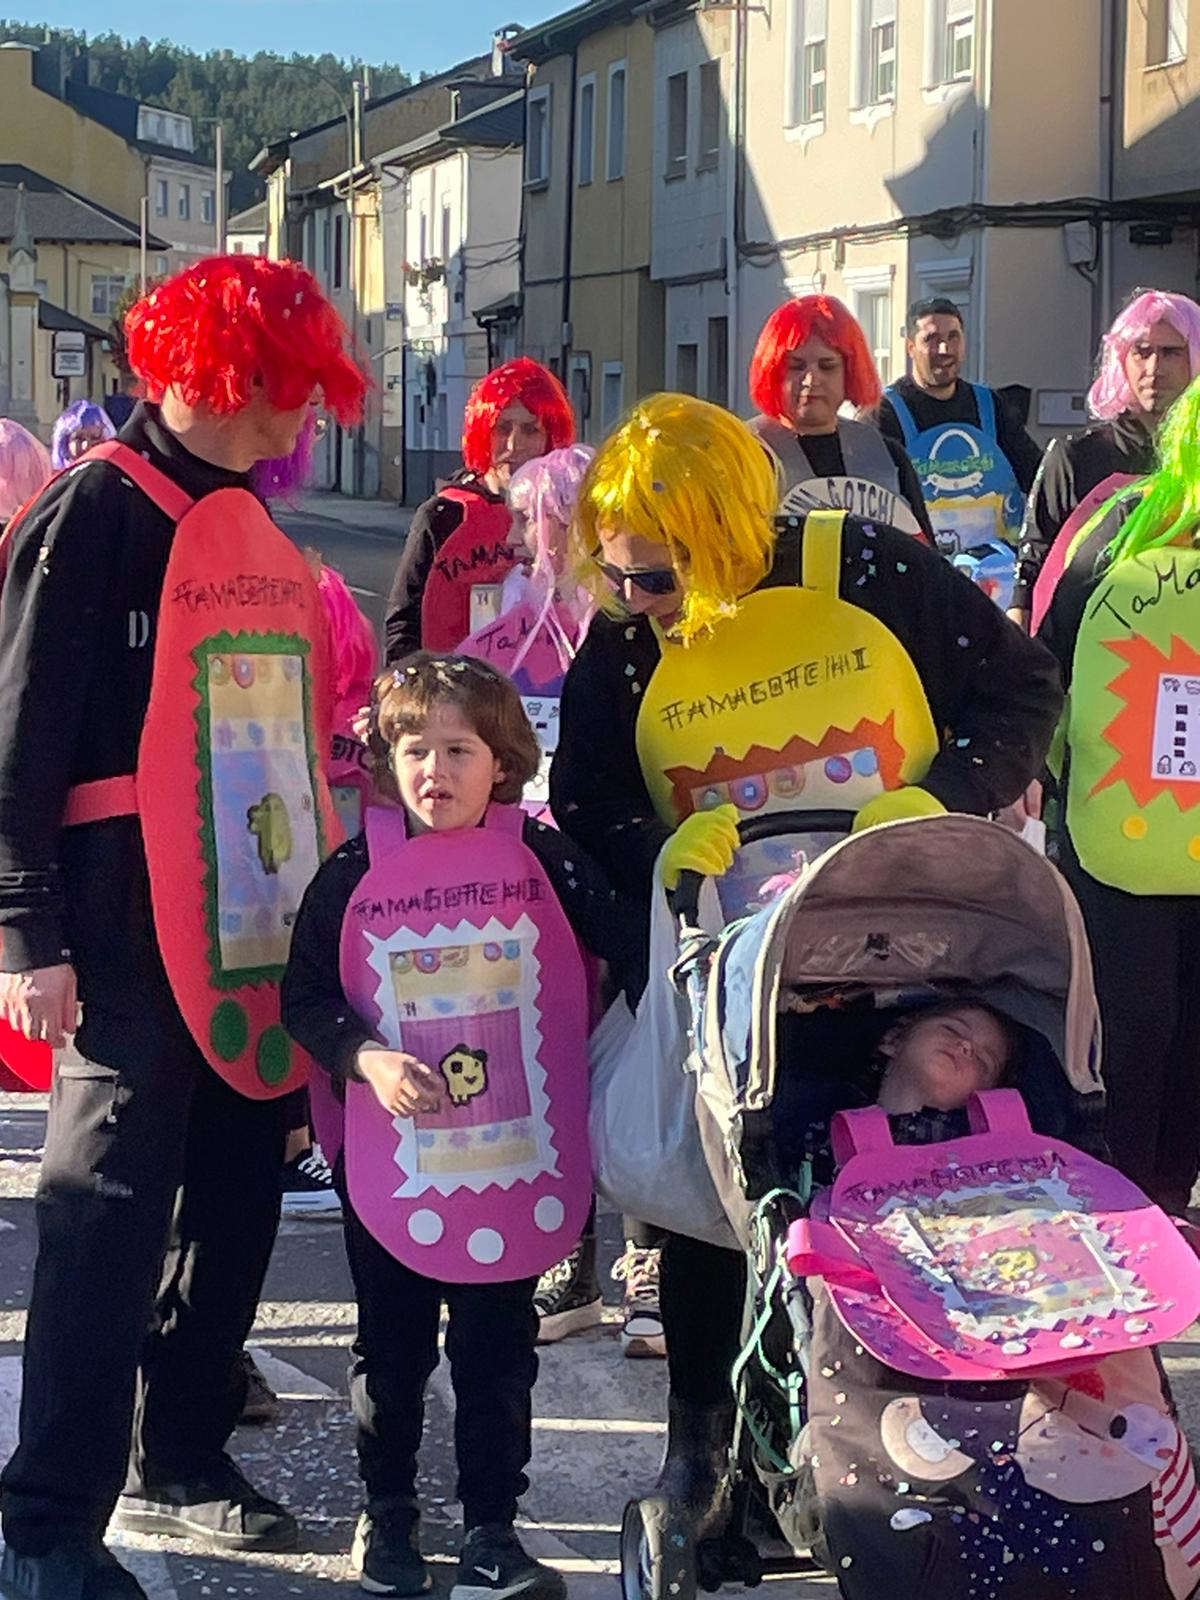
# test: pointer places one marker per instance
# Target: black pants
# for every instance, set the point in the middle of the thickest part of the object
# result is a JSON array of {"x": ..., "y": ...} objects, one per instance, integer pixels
[
  {"x": 1144, "y": 951},
  {"x": 156, "y": 1177},
  {"x": 493, "y": 1365},
  {"x": 702, "y": 1292}
]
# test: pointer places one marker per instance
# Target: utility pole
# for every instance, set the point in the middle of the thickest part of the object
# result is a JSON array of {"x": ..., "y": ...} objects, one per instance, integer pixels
[
  {"x": 219, "y": 191},
  {"x": 144, "y": 243}
]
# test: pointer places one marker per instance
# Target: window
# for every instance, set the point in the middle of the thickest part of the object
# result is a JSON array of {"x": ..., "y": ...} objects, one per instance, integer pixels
[
  {"x": 208, "y": 206},
  {"x": 441, "y": 424},
  {"x": 710, "y": 115},
  {"x": 807, "y": 92},
  {"x": 612, "y": 395},
  {"x": 587, "y": 129},
  {"x": 677, "y": 125},
  {"x": 107, "y": 289},
  {"x": 881, "y": 85},
  {"x": 162, "y": 198},
  {"x": 958, "y": 52},
  {"x": 446, "y": 250},
  {"x": 616, "y": 122},
  {"x": 326, "y": 245},
  {"x": 1166, "y": 31},
  {"x": 581, "y": 396},
  {"x": 339, "y": 229},
  {"x": 718, "y": 360},
  {"x": 237, "y": 248},
  {"x": 687, "y": 368},
  {"x": 537, "y": 135},
  {"x": 185, "y": 202},
  {"x": 422, "y": 239},
  {"x": 874, "y": 310}
]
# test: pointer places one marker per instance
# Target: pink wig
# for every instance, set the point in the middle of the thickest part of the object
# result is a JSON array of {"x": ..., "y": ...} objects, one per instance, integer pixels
[
  {"x": 545, "y": 492},
  {"x": 354, "y": 649},
  {"x": 24, "y": 467},
  {"x": 1111, "y": 394},
  {"x": 284, "y": 476}
]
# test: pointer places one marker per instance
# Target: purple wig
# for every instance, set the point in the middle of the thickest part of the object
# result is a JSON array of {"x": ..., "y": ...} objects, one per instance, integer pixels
[
  {"x": 285, "y": 476},
  {"x": 354, "y": 649},
  {"x": 24, "y": 467},
  {"x": 1111, "y": 394},
  {"x": 83, "y": 414}
]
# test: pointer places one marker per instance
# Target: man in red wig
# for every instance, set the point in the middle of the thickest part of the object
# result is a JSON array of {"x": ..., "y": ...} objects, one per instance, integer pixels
[
  {"x": 457, "y": 553},
  {"x": 162, "y": 689},
  {"x": 811, "y": 358}
]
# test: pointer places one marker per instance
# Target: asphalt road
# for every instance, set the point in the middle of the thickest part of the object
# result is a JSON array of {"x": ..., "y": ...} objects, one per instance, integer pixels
[{"x": 365, "y": 551}]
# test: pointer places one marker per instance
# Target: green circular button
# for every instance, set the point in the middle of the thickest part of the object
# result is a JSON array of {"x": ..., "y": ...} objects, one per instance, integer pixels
[
  {"x": 229, "y": 1030},
  {"x": 274, "y": 1055}
]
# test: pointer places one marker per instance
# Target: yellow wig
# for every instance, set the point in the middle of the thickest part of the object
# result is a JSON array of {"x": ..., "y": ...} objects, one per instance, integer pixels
[{"x": 688, "y": 475}]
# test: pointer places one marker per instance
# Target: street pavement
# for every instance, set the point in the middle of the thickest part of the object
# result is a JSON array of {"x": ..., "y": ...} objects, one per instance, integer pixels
[
  {"x": 361, "y": 538},
  {"x": 598, "y": 1429}
]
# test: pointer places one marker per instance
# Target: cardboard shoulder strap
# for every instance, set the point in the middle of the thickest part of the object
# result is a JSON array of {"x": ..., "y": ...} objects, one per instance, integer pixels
[
  {"x": 166, "y": 494},
  {"x": 821, "y": 552}
]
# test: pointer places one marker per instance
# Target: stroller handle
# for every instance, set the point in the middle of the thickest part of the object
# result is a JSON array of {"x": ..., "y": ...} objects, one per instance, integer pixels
[{"x": 684, "y": 900}]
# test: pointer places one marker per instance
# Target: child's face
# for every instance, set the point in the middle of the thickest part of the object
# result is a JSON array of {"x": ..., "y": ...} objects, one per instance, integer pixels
[
  {"x": 946, "y": 1058},
  {"x": 445, "y": 773}
]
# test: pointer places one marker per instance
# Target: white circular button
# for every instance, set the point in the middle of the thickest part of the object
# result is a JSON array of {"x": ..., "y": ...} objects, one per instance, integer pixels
[
  {"x": 548, "y": 1214},
  {"x": 486, "y": 1246},
  {"x": 425, "y": 1227}
]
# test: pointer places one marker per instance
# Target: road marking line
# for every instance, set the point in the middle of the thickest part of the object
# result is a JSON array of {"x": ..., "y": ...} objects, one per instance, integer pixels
[{"x": 289, "y": 1382}]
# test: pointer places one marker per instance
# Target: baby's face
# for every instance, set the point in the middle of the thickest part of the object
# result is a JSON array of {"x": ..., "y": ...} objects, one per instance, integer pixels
[{"x": 951, "y": 1056}]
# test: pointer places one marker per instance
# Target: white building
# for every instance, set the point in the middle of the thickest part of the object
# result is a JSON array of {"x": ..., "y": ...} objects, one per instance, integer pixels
[
  {"x": 451, "y": 229},
  {"x": 246, "y": 233}
]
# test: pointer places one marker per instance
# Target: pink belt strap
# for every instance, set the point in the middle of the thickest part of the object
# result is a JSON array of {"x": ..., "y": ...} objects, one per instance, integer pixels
[{"x": 106, "y": 797}]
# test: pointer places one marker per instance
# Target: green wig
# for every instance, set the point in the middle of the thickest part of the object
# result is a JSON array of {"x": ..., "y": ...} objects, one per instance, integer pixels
[{"x": 1169, "y": 509}]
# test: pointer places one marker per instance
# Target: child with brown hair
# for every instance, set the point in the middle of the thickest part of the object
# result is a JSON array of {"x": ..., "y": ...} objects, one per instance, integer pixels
[{"x": 453, "y": 750}]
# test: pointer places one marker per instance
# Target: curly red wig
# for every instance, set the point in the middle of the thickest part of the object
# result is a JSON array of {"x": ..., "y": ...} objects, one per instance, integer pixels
[
  {"x": 221, "y": 327},
  {"x": 812, "y": 316},
  {"x": 536, "y": 388}
]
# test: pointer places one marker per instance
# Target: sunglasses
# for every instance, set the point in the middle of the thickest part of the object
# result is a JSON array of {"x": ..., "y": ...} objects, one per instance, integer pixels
[{"x": 657, "y": 581}]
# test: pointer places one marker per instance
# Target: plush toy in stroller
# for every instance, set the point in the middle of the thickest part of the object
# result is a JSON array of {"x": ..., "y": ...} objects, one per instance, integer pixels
[{"x": 949, "y": 1384}]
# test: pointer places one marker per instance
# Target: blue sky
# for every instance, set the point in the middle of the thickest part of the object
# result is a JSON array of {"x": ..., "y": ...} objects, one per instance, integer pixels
[{"x": 416, "y": 34}]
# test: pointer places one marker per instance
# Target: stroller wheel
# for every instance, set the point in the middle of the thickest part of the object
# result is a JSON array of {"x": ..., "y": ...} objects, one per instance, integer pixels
[{"x": 658, "y": 1555}]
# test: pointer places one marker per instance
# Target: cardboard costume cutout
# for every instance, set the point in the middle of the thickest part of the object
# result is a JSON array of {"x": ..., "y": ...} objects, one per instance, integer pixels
[
  {"x": 1067, "y": 538},
  {"x": 456, "y": 949},
  {"x": 800, "y": 701},
  {"x": 869, "y": 488},
  {"x": 230, "y": 787},
  {"x": 462, "y": 591}
]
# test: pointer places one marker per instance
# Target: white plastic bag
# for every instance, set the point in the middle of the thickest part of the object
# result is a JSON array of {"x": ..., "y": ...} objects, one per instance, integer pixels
[{"x": 646, "y": 1149}]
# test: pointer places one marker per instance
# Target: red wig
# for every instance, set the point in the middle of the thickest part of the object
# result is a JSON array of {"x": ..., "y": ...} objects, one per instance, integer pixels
[
  {"x": 220, "y": 328},
  {"x": 521, "y": 381},
  {"x": 812, "y": 316}
]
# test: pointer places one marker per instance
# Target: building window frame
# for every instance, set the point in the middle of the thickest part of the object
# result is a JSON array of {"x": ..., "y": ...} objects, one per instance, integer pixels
[
  {"x": 950, "y": 43},
  {"x": 711, "y": 120},
  {"x": 185, "y": 202},
  {"x": 538, "y": 145},
  {"x": 585, "y": 122},
  {"x": 107, "y": 289},
  {"x": 162, "y": 197},
  {"x": 716, "y": 368},
  {"x": 872, "y": 301},
  {"x": 208, "y": 206},
  {"x": 615, "y": 149},
  {"x": 687, "y": 367},
  {"x": 677, "y": 125},
  {"x": 610, "y": 415},
  {"x": 1166, "y": 33},
  {"x": 875, "y": 59},
  {"x": 806, "y": 88},
  {"x": 881, "y": 63}
]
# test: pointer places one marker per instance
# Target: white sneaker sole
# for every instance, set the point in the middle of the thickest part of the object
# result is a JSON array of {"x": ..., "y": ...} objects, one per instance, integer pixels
[
  {"x": 561, "y": 1324},
  {"x": 644, "y": 1346},
  {"x": 540, "y": 1585}
]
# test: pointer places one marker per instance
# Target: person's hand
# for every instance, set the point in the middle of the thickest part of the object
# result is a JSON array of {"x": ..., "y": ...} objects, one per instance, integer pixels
[
  {"x": 402, "y": 1084},
  {"x": 705, "y": 842},
  {"x": 42, "y": 1003},
  {"x": 361, "y": 726},
  {"x": 1026, "y": 808},
  {"x": 896, "y": 804}
]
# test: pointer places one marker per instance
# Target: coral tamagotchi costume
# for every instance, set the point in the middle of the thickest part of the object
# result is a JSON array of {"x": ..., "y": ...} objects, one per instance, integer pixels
[
  {"x": 462, "y": 591},
  {"x": 230, "y": 788},
  {"x": 455, "y": 948}
]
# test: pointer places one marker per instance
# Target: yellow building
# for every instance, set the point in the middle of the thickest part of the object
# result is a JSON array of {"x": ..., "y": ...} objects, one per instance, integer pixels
[{"x": 591, "y": 310}]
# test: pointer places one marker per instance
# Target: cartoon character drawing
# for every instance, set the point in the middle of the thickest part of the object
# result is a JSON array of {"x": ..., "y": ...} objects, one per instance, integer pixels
[
  {"x": 465, "y": 1072},
  {"x": 271, "y": 825},
  {"x": 1014, "y": 1266}
]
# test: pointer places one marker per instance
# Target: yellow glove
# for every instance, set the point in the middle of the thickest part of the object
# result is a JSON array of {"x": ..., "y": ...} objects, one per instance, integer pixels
[
  {"x": 896, "y": 804},
  {"x": 704, "y": 842}
]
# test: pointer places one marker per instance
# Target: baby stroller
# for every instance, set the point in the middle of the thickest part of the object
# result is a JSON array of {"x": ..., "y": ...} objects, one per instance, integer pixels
[{"x": 1051, "y": 1467}]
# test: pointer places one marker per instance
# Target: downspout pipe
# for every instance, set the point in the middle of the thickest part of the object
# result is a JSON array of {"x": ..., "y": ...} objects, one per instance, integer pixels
[{"x": 566, "y": 332}]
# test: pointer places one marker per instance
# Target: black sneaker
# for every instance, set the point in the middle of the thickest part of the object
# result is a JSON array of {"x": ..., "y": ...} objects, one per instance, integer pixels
[
  {"x": 260, "y": 1405},
  {"x": 387, "y": 1558},
  {"x": 222, "y": 1510},
  {"x": 78, "y": 1569},
  {"x": 642, "y": 1330},
  {"x": 307, "y": 1188},
  {"x": 568, "y": 1295},
  {"x": 493, "y": 1565}
]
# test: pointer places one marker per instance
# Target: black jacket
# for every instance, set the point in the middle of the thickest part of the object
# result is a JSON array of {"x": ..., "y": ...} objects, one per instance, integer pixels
[
  {"x": 994, "y": 696},
  {"x": 1070, "y": 470},
  {"x": 314, "y": 1006},
  {"x": 432, "y": 524},
  {"x": 928, "y": 412},
  {"x": 78, "y": 623}
]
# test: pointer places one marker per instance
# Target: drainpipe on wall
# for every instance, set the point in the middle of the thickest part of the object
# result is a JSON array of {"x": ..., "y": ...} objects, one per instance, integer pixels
[
  {"x": 983, "y": 99},
  {"x": 735, "y": 230},
  {"x": 1102, "y": 296},
  {"x": 566, "y": 333}
]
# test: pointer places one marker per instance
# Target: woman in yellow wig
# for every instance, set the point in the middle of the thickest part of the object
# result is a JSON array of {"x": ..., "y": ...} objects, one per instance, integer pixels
[{"x": 740, "y": 666}]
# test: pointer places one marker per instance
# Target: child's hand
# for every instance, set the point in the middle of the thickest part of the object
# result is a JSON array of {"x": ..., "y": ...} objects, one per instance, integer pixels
[{"x": 402, "y": 1084}]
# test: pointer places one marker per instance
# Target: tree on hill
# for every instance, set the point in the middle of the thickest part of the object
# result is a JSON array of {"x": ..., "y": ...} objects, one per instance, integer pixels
[{"x": 258, "y": 97}]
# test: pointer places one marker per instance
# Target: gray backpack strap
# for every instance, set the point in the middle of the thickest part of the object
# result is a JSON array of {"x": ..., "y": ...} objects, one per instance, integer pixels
[
  {"x": 865, "y": 455},
  {"x": 784, "y": 444}
]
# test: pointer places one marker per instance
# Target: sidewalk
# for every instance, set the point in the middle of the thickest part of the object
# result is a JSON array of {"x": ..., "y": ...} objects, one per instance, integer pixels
[{"x": 378, "y": 516}]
